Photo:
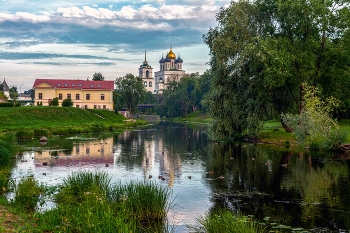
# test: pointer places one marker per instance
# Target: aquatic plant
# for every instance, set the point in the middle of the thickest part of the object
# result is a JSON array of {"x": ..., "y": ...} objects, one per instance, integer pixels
[
  {"x": 75, "y": 186},
  {"x": 147, "y": 201},
  {"x": 226, "y": 221}
]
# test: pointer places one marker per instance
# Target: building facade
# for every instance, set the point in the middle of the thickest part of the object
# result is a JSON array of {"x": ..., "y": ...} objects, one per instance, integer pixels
[
  {"x": 146, "y": 73},
  {"x": 84, "y": 93},
  {"x": 170, "y": 69}
]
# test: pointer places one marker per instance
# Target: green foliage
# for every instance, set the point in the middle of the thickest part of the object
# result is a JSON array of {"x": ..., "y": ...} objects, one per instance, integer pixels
[
  {"x": 75, "y": 187},
  {"x": 54, "y": 102},
  {"x": 335, "y": 138},
  {"x": 13, "y": 92},
  {"x": 98, "y": 77},
  {"x": 262, "y": 52},
  {"x": 131, "y": 91},
  {"x": 67, "y": 103},
  {"x": 27, "y": 193},
  {"x": 25, "y": 134},
  {"x": 225, "y": 221},
  {"x": 6, "y": 153},
  {"x": 183, "y": 97},
  {"x": 88, "y": 202},
  {"x": 314, "y": 121},
  {"x": 148, "y": 202},
  {"x": 2, "y": 95},
  {"x": 6, "y": 105},
  {"x": 58, "y": 119}
]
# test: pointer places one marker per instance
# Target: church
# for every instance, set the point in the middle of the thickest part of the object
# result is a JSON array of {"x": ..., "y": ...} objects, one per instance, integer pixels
[{"x": 170, "y": 69}]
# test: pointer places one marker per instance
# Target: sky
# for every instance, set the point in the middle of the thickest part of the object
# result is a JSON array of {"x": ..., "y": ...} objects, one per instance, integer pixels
[{"x": 75, "y": 39}]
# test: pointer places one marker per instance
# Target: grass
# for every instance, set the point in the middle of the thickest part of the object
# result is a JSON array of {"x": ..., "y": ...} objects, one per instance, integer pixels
[
  {"x": 194, "y": 117},
  {"x": 88, "y": 202},
  {"x": 36, "y": 121},
  {"x": 225, "y": 221}
]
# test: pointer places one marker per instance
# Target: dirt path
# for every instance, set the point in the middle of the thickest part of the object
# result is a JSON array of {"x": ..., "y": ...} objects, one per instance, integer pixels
[{"x": 9, "y": 222}]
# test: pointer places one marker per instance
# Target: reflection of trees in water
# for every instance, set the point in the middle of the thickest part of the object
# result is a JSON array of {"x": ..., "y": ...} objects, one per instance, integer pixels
[
  {"x": 315, "y": 185},
  {"x": 263, "y": 182}
]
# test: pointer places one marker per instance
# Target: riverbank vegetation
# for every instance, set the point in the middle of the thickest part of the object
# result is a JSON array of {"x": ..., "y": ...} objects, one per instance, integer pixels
[{"x": 30, "y": 122}]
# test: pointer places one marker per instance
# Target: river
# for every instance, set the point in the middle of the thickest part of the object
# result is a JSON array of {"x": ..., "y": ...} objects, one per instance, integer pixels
[{"x": 306, "y": 190}]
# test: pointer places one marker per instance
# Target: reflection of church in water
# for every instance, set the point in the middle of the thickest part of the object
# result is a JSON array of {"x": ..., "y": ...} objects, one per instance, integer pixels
[{"x": 170, "y": 69}]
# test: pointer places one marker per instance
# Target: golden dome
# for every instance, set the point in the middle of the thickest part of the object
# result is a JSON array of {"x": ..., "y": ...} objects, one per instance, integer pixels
[{"x": 171, "y": 54}]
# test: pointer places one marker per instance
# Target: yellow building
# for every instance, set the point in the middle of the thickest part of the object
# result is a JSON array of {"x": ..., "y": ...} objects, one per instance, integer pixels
[{"x": 84, "y": 93}]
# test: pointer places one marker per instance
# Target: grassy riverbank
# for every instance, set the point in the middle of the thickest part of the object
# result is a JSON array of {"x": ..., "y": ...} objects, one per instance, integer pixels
[
  {"x": 272, "y": 133},
  {"x": 59, "y": 120}
]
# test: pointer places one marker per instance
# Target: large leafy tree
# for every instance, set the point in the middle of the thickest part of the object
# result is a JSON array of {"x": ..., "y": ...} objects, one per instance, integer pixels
[
  {"x": 131, "y": 91},
  {"x": 264, "y": 50},
  {"x": 98, "y": 77}
]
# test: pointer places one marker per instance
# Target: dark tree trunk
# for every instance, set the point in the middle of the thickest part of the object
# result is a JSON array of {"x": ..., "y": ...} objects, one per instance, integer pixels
[{"x": 286, "y": 127}]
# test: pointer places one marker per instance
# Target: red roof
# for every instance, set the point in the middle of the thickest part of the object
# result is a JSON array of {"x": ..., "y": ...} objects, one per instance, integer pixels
[{"x": 76, "y": 84}]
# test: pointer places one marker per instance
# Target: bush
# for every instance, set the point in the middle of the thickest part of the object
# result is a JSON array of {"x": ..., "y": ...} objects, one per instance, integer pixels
[
  {"x": 6, "y": 104},
  {"x": 54, "y": 102},
  {"x": 27, "y": 193},
  {"x": 67, "y": 103},
  {"x": 335, "y": 139}
]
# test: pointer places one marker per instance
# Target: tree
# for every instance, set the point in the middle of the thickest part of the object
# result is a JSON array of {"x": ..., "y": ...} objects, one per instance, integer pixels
[
  {"x": 98, "y": 77},
  {"x": 55, "y": 102},
  {"x": 67, "y": 103},
  {"x": 13, "y": 92},
  {"x": 262, "y": 52},
  {"x": 131, "y": 91},
  {"x": 30, "y": 92}
]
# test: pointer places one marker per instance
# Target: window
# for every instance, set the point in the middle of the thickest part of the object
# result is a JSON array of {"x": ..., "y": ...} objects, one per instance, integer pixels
[
  {"x": 150, "y": 84},
  {"x": 85, "y": 106},
  {"x": 77, "y": 106},
  {"x": 102, "y": 96},
  {"x": 98, "y": 85},
  {"x": 145, "y": 83},
  {"x": 87, "y": 150},
  {"x": 87, "y": 96},
  {"x": 95, "y": 106},
  {"x": 73, "y": 84},
  {"x": 104, "y": 106},
  {"x": 69, "y": 96},
  {"x": 66, "y": 85},
  {"x": 77, "y": 96},
  {"x": 92, "y": 85},
  {"x": 80, "y": 85},
  {"x": 40, "y": 96},
  {"x": 147, "y": 74},
  {"x": 58, "y": 85},
  {"x": 59, "y": 96}
]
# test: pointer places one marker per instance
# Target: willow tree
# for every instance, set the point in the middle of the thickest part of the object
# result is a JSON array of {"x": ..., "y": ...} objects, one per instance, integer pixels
[{"x": 262, "y": 52}]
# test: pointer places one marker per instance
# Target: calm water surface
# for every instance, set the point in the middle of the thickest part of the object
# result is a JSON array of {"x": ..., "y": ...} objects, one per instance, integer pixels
[{"x": 290, "y": 188}]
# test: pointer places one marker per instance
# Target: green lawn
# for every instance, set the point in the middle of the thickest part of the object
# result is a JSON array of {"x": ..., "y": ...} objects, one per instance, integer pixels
[{"x": 20, "y": 118}]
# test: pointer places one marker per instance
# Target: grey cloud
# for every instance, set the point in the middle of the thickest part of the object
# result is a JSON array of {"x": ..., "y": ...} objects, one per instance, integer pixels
[{"x": 21, "y": 56}]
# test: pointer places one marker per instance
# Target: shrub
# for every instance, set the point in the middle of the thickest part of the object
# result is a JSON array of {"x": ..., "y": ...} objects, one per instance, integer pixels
[
  {"x": 54, "y": 102},
  {"x": 335, "y": 139},
  {"x": 27, "y": 193},
  {"x": 67, "y": 103},
  {"x": 6, "y": 104}
]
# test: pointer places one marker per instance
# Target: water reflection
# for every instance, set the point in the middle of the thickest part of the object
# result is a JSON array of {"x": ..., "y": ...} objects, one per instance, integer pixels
[{"x": 288, "y": 187}]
